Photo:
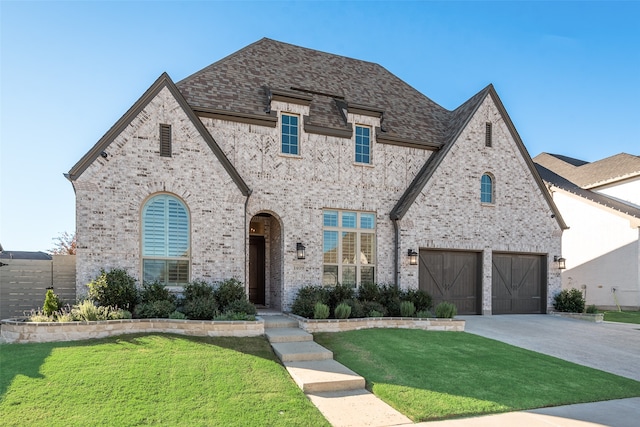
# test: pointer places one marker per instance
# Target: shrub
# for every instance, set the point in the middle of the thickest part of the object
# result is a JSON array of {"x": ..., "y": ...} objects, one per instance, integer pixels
[
  {"x": 229, "y": 291},
  {"x": 230, "y": 315},
  {"x": 118, "y": 314},
  {"x": 390, "y": 299},
  {"x": 592, "y": 309},
  {"x": 177, "y": 315},
  {"x": 115, "y": 288},
  {"x": 155, "y": 309},
  {"x": 151, "y": 292},
  {"x": 306, "y": 299},
  {"x": 342, "y": 311},
  {"x": 87, "y": 311},
  {"x": 320, "y": 311},
  {"x": 202, "y": 308},
  {"x": 407, "y": 309},
  {"x": 197, "y": 289},
  {"x": 368, "y": 292},
  {"x": 242, "y": 306},
  {"x": 446, "y": 310},
  {"x": 338, "y": 294},
  {"x": 39, "y": 316},
  {"x": 569, "y": 301},
  {"x": 373, "y": 309},
  {"x": 424, "y": 314},
  {"x": 51, "y": 303},
  {"x": 357, "y": 309},
  {"x": 420, "y": 299}
]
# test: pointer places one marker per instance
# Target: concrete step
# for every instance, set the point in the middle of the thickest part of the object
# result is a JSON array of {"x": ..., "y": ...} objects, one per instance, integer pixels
[
  {"x": 357, "y": 408},
  {"x": 275, "y": 335},
  {"x": 324, "y": 375},
  {"x": 300, "y": 351},
  {"x": 279, "y": 321}
]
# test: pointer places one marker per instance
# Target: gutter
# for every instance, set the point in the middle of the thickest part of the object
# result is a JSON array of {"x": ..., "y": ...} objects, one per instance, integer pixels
[
  {"x": 396, "y": 241},
  {"x": 246, "y": 278}
]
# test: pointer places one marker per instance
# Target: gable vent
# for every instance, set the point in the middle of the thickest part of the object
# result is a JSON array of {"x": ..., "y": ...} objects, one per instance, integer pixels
[
  {"x": 165, "y": 140},
  {"x": 488, "y": 140}
]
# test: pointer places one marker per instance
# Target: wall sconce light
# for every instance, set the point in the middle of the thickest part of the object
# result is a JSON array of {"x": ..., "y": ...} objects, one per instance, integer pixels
[
  {"x": 300, "y": 250},
  {"x": 413, "y": 257},
  {"x": 562, "y": 263}
]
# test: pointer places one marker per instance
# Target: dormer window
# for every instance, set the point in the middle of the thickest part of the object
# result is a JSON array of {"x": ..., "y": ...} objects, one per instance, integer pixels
[
  {"x": 363, "y": 145},
  {"x": 290, "y": 134}
]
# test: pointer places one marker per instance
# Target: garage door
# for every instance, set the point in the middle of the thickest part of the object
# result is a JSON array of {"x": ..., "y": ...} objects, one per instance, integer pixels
[
  {"x": 452, "y": 276},
  {"x": 518, "y": 285}
]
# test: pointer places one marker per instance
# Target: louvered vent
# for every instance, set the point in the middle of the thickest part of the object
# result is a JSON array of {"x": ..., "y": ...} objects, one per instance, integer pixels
[
  {"x": 487, "y": 136},
  {"x": 165, "y": 140}
]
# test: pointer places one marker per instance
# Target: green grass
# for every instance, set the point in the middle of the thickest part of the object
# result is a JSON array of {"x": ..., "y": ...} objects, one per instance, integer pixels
[
  {"x": 622, "y": 316},
  {"x": 430, "y": 375},
  {"x": 150, "y": 380}
]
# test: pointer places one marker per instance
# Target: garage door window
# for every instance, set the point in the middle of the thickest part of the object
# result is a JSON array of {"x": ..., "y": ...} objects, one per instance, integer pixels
[{"x": 348, "y": 247}]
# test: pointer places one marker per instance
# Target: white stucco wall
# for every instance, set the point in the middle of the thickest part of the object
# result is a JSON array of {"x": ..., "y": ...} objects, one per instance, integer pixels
[
  {"x": 628, "y": 191},
  {"x": 602, "y": 252}
]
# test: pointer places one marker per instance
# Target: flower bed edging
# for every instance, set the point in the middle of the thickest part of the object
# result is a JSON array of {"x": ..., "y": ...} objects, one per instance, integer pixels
[
  {"x": 342, "y": 325},
  {"x": 591, "y": 317},
  {"x": 17, "y": 331}
]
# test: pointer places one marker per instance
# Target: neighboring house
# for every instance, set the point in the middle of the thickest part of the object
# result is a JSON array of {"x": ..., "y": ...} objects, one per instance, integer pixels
[
  {"x": 284, "y": 166},
  {"x": 600, "y": 202}
]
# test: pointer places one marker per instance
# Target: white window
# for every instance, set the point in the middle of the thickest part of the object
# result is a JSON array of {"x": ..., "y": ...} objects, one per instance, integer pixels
[
  {"x": 349, "y": 247},
  {"x": 165, "y": 241}
]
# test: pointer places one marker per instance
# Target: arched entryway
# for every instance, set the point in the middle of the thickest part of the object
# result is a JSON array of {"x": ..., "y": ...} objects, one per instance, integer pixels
[{"x": 265, "y": 261}]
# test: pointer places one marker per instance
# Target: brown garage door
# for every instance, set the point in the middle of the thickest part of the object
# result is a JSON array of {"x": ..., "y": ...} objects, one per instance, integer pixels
[
  {"x": 452, "y": 276},
  {"x": 518, "y": 285}
]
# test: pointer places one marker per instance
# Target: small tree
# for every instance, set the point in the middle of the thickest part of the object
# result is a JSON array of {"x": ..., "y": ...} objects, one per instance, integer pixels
[
  {"x": 65, "y": 244},
  {"x": 51, "y": 303}
]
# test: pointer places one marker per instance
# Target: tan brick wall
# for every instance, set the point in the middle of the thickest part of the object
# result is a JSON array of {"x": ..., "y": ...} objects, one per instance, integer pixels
[
  {"x": 448, "y": 213},
  {"x": 111, "y": 192}
]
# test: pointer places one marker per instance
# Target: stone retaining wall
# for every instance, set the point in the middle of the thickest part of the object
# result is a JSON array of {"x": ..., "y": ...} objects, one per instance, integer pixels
[
  {"x": 334, "y": 325},
  {"x": 15, "y": 331}
]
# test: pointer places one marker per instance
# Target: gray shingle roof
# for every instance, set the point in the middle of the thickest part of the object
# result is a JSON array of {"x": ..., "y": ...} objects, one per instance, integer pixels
[
  {"x": 563, "y": 183},
  {"x": 590, "y": 175},
  {"x": 25, "y": 255},
  {"x": 240, "y": 83}
]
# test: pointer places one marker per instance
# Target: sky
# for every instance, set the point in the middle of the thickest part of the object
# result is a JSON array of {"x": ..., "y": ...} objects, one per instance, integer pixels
[{"x": 568, "y": 74}]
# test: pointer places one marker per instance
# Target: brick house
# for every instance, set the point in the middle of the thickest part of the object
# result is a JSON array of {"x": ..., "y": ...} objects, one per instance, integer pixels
[
  {"x": 283, "y": 166},
  {"x": 600, "y": 202}
]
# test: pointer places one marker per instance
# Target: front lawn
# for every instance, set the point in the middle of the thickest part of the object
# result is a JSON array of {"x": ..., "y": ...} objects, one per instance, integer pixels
[
  {"x": 622, "y": 316},
  {"x": 150, "y": 380},
  {"x": 430, "y": 375}
]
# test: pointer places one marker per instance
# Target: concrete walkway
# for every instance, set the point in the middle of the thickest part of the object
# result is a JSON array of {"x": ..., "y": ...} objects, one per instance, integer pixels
[
  {"x": 340, "y": 396},
  {"x": 338, "y": 392}
]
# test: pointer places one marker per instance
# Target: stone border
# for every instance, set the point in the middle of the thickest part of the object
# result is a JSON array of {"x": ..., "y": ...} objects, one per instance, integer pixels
[
  {"x": 335, "y": 325},
  {"x": 17, "y": 331},
  {"x": 591, "y": 317}
]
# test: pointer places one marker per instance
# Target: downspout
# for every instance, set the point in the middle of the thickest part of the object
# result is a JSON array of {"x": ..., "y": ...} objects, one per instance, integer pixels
[
  {"x": 246, "y": 279},
  {"x": 396, "y": 239}
]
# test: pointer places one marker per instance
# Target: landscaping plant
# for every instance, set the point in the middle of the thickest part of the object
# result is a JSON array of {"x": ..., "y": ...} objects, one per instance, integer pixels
[
  {"x": 115, "y": 288},
  {"x": 320, "y": 311},
  {"x": 446, "y": 310},
  {"x": 407, "y": 309},
  {"x": 342, "y": 311},
  {"x": 51, "y": 303},
  {"x": 569, "y": 301}
]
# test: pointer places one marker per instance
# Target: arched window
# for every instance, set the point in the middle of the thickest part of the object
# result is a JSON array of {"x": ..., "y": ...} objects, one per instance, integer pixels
[
  {"x": 165, "y": 241},
  {"x": 486, "y": 189}
]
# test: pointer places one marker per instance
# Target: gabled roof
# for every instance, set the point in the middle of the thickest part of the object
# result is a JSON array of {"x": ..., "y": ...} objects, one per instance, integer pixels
[
  {"x": 590, "y": 175},
  {"x": 244, "y": 82},
  {"x": 163, "y": 81},
  {"x": 459, "y": 120},
  {"x": 25, "y": 255},
  {"x": 564, "y": 184}
]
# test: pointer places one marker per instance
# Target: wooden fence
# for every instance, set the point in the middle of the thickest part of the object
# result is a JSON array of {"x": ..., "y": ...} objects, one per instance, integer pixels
[{"x": 24, "y": 283}]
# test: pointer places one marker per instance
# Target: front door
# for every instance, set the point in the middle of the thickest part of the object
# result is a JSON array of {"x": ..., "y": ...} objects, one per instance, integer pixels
[{"x": 256, "y": 270}]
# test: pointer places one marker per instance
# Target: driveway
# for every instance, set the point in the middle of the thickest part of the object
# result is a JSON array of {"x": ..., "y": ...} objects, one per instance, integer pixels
[{"x": 607, "y": 346}]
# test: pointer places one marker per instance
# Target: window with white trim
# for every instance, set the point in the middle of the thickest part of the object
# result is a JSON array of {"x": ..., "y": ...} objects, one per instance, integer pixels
[
  {"x": 349, "y": 247},
  {"x": 486, "y": 189},
  {"x": 363, "y": 145},
  {"x": 165, "y": 241},
  {"x": 290, "y": 136}
]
